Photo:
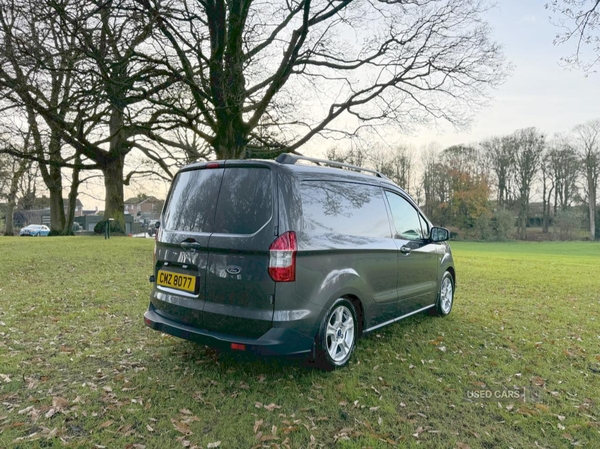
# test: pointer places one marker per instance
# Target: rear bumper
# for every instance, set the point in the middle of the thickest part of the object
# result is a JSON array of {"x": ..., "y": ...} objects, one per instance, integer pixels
[{"x": 277, "y": 341}]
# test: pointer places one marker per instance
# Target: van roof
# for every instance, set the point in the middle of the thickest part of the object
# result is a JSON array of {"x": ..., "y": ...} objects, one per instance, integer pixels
[{"x": 340, "y": 171}]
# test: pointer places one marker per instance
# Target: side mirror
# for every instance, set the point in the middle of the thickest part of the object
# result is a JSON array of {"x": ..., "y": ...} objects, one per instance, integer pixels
[{"x": 439, "y": 234}]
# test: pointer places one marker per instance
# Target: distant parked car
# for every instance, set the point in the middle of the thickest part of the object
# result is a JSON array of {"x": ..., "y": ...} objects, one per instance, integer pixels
[{"x": 35, "y": 231}]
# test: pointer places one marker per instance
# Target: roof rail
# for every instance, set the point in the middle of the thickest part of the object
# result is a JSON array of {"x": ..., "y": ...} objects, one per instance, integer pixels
[{"x": 287, "y": 158}]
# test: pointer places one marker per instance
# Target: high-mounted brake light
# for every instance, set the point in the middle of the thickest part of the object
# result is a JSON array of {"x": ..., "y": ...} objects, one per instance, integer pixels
[
  {"x": 212, "y": 165},
  {"x": 282, "y": 261}
]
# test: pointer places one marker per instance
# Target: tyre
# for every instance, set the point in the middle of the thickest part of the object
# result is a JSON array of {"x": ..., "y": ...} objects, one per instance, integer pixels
[
  {"x": 337, "y": 338},
  {"x": 445, "y": 299}
]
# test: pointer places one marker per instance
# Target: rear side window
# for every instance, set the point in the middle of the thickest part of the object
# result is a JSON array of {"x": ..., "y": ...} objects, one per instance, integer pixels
[
  {"x": 245, "y": 201},
  {"x": 344, "y": 208},
  {"x": 191, "y": 205}
]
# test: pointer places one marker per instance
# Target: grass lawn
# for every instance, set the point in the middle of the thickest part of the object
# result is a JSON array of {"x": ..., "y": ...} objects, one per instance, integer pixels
[{"x": 78, "y": 368}]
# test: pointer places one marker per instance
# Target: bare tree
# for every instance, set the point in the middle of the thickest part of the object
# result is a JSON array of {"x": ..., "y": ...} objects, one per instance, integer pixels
[
  {"x": 588, "y": 148},
  {"x": 35, "y": 63},
  {"x": 579, "y": 21},
  {"x": 547, "y": 189},
  {"x": 88, "y": 50},
  {"x": 395, "y": 163},
  {"x": 356, "y": 155},
  {"x": 498, "y": 151},
  {"x": 18, "y": 167},
  {"x": 563, "y": 167},
  {"x": 274, "y": 74},
  {"x": 527, "y": 152}
]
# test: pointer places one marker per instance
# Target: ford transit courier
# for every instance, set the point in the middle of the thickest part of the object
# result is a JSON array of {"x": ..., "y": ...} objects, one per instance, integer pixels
[{"x": 296, "y": 256}]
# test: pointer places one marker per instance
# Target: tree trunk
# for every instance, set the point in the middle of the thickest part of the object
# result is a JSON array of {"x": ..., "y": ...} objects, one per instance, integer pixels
[
  {"x": 230, "y": 143},
  {"x": 68, "y": 229},
  {"x": 546, "y": 224},
  {"x": 113, "y": 165},
  {"x": 12, "y": 197},
  {"x": 592, "y": 203},
  {"x": 523, "y": 223},
  {"x": 114, "y": 203},
  {"x": 51, "y": 174}
]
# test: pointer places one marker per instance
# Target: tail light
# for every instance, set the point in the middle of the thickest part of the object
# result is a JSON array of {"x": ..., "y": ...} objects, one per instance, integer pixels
[{"x": 282, "y": 261}]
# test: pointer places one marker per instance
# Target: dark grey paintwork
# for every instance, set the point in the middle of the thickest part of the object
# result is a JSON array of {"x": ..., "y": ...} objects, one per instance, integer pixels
[{"x": 237, "y": 302}]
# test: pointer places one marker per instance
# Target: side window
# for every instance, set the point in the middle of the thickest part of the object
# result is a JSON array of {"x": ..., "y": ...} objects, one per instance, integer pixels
[
  {"x": 406, "y": 218},
  {"x": 344, "y": 208}
]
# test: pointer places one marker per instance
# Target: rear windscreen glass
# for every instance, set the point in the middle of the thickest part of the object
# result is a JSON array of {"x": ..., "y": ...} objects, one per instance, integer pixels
[
  {"x": 245, "y": 202},
  {"x": 191, "y": 205},
  {"x": 344, "y": 208}
]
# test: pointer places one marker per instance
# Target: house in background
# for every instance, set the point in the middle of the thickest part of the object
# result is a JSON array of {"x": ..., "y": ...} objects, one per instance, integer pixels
[
  {"x": 143, "y": 204},
  {"x": 90, "y": 212},
  {"x": 78, "y": 207}
]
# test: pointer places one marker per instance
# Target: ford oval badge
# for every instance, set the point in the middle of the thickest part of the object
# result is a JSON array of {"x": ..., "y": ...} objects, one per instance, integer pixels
[{"x": 233, "y": 269}]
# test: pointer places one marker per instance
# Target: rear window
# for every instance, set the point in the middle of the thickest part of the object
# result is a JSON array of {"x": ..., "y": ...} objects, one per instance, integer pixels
[
  {"x": 245, "y": 202},
  {"x": 344, "y": 208},
  {"x": 228, "y": 201},
  {"x": 193, "y": 199}
]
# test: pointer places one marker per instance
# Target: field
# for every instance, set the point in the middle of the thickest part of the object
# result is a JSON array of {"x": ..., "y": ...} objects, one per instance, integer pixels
[{"x": 79, "y": 369}]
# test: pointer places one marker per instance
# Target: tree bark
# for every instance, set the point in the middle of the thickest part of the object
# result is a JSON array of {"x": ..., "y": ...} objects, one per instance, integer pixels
[
  {"x": 113, "y": 164},
  {"x": 592, "y": 183},
  {"x": 114, "y": 203},
  {"x": 68, "y": 229},
  {"x": 12, "y": 197}
]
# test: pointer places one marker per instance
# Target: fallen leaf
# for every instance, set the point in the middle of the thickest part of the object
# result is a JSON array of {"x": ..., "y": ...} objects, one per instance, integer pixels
[
  {"x": 59, "y": 403},
  {"x": 106, "y": 424},
  {"x": 25, "y": 410},
  {"x": 181, "y": 427},
  {"x": 213, "y": 445},
  {"x": 185, "y": 411},
  {"x": 257, "y": 425},
  {"x": 184, "y": 442},
  {"x": 538, "y": 381},
  {"x": 272, "y": 407}
]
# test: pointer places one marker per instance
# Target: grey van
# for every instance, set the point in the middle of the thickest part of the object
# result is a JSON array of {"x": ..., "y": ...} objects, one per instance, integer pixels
[{"x": 297, "y": 256}]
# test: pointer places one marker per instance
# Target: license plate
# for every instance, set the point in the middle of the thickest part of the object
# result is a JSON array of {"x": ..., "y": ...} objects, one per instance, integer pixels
[{"x": 176, "y": 280}]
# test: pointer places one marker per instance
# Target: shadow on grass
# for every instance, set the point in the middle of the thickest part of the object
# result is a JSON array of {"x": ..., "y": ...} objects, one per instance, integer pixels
[{"x": 191, "y": 355}]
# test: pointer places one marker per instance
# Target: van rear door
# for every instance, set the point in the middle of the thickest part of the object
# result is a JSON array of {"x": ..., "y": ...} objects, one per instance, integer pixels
[
  {"x": 239, "y": 291},
  {"x": 182, "y": 245}
]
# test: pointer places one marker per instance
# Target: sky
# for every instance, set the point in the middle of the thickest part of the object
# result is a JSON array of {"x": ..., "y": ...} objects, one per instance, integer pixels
[{"x": 539, "y": 92}]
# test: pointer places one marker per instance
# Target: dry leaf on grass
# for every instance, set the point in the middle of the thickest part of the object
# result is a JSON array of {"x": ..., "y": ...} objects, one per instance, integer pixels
[
  {"x": 181, "y": 427},
  {"x": 538, "y": 381},
  {"x": 272, "y": 407},
  {"x": 106, "y": 424}
]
